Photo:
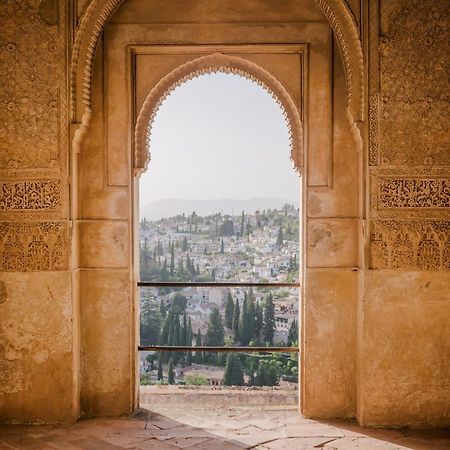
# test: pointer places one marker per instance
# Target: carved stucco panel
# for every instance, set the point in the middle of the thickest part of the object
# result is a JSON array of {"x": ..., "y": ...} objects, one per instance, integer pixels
[
  {"x": 414, "y": 105},
  {"x": 413, "y": 193},
  {"x": 32, "y": 98},
  {"x": 30, "y": 195},
  {"x": 33, "y": 246},
  {"x": 423, "y": 245}
]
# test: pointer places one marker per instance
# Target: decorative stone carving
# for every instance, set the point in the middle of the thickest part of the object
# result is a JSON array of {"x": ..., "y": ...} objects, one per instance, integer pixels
[
  {"x": 33, "y": 246},
  {"x": 32, "y": 79},
  {"x": 98, "y": 12},
  {"x": 413, "y": 193},
  {"x": 414, "y": 107},
  {"x": 216, "y": 62},
  {"x": 374, "y": 111},
  {"x": 30, "y": 195},
  {"x": 423, "y": 245}
]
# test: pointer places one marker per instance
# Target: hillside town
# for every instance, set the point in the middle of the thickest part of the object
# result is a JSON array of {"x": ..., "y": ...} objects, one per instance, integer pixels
[{"x": 258, "y": 247}]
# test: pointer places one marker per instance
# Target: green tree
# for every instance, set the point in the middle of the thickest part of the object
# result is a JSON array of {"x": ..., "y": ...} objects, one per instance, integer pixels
[
  {"x": 160, "y": 366},
  {"x": 293, "y": 333},
  {"x": 259, "y": 320},
  {"x": 242, "y": 224},
  {"x": 233, "y": 375},
  {"x": 184, "y": 245},
  {"x": 269, "y": 320},
  {"x": 229, "y": 309},
  {"x": 162, "y": 309},
  {"x": 198, "y": 343},
  {"x": 215, "y": 333},
  {"x": 164, "y": 273},
  {"x": 280, "y": 238},
  {"x": 150, "y": 323},
  {"x": 222, "y": 247},
  {"x": 172, "y": 259},
  {"x": 251, "y": 315},
  {"x": 245, "y": 333},
  {"x": 236, "y": 320},
  {"x": 266, "y": 374},
  {"x": 189, "y": 342},
  {"x": 170, "y": 372}
]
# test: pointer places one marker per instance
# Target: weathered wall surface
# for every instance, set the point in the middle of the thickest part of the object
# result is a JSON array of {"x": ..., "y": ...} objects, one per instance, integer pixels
[
  {"x": 376, "y": 332},
  {"x": 405, "y": 352},
  {"x": 36, "y": 315}
]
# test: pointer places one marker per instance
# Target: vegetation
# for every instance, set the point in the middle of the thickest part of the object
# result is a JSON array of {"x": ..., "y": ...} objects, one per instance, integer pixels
[
  {"x": 233, "y": 375},
  {"x": 194, "y": 379}
]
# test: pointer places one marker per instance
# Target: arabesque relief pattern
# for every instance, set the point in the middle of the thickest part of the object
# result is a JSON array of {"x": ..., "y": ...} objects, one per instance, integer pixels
[
  {"x": 409, "y": 146},
  {"x": 414, "y": 66},
  {"x": 30, "y": 80},
  {"x": 423, "y": 244},
  {"x": 32, "y": 246},
  {"x": 413, "y": 193},
  {"x": 33, "y": 135},
  {"x": 30, "y": 195}
]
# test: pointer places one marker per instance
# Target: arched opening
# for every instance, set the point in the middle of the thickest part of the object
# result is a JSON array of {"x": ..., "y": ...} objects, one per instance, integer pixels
[
  {"x": 329, "y": 93},
  {"x": 219, "y": 239}
]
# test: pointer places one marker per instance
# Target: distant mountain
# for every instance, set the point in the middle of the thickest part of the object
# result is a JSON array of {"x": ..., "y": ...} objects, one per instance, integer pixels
[{"x": 170, "y": 207}]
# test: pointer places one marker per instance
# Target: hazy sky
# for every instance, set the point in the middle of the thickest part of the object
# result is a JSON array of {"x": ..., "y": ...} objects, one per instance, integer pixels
[{"x": 219, "y": 136}]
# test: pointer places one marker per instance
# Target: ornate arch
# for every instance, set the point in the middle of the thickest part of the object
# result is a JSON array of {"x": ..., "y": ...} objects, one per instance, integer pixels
[
  {"x": 98, "y": 12},
  {"x": 213, "y": 63}
]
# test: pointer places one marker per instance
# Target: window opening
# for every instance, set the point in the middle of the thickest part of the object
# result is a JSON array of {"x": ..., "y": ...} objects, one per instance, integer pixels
[{"x": 219, "y": 267}]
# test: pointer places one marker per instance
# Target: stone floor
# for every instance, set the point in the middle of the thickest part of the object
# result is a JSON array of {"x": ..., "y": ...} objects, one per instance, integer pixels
[{"x": 195, "y": 428}]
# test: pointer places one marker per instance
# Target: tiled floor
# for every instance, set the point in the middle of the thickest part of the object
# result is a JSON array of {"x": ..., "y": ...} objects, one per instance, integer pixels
[{"x": 173, "y": 427}]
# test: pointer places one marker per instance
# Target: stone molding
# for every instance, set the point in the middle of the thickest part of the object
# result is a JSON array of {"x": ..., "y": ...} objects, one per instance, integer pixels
[
  {"x": 213, "y": 63},
  {"x": 30, "y": 195},
  {"x": 423, "y": 245},
  {"x": 33, "y": 246},
  {"x": 98, "y": 12}
]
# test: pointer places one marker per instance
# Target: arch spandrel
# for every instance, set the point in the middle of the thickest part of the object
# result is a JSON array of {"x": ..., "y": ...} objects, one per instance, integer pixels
[
  {"x": 98, "y": 12},
  {"x": 213, "y": 63}
]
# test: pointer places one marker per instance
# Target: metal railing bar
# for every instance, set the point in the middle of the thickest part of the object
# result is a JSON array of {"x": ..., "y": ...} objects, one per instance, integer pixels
[
  {"x": 188, "y": 348},
  {"x": 176, "y": 284}
]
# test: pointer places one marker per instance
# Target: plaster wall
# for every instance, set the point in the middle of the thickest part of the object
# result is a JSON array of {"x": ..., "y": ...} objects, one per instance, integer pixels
[
  {"x": 404, "y": 355},
  {"x": 377, "y": 223}
]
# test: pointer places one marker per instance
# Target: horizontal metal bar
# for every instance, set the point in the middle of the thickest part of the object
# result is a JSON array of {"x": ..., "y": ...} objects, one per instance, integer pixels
[
  {"x": 188, "y": 348},
  {"x": 168, "y": 284}
]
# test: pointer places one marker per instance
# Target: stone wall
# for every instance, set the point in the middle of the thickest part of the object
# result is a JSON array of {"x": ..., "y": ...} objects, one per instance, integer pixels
[
  {"x": 37, "y": 361},
  {"x": 405, "y": 348},
  {"x": 376, "y": 312}
]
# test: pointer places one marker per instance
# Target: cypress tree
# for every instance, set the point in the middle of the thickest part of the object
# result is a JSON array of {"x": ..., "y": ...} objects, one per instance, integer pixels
[
  {"x": 259, "y": 320},
  {"x": 184, "y": 331},
  {"x": 160, "y": 366},
  {"x": 242, "y": 223},
  {"x": 215, "y": 333},
  {"x": 172, "y": 259},
  {"x": 189, "y": 342},
  {"x": 164, "y": 273},
  {"x": 236, "y": 320},
  {"x": 293, "y": 333},
  {"x": 198, "y": 343},
  {"x": 222, "y": 247},
  {"x": 171, "y": 374},
  {"x": 233, "y": 375},
  {"x": 162, "y": 309},
  {"x": 280, "y": 238},
  {"x": 269, "y": 320},
  {"x": 229, "y": 309},
  {"x": 251, "y": 315},
  {"x": 244, "y": 326}
]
